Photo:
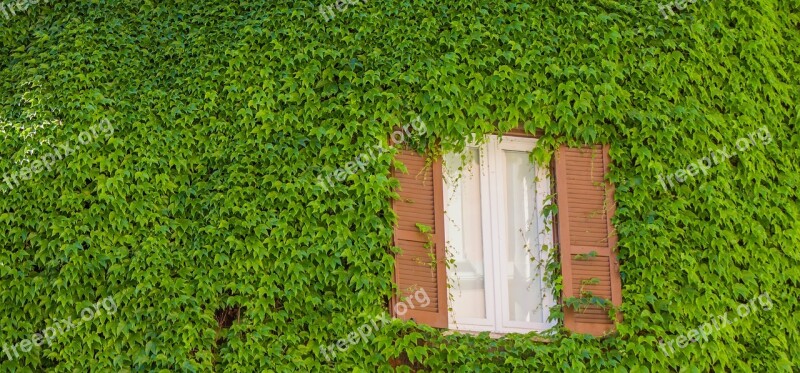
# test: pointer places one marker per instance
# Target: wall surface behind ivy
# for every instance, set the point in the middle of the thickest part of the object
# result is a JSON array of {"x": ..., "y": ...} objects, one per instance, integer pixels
[{"x": 201, "y": 215}]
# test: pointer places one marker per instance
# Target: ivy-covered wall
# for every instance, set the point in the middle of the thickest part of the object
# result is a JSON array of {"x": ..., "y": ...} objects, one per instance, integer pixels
[{"x": 197, "y": 131}]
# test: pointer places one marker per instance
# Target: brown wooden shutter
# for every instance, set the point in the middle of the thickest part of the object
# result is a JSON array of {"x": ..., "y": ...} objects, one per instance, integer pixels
[
  {"x": 585, "y": 208},
  {"x": 417, "y": 267}
]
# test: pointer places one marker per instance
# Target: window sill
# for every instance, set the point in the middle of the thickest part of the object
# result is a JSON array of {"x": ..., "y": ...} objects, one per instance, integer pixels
[{"x": 493, "y": 335}]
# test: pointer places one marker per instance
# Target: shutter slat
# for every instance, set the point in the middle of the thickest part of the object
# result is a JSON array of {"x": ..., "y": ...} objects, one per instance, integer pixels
[
  {"x": 585, "y": 208},
  {"x": 410, "y": 219},
  {"x": 412, "y": 208},
  {"x": 421, "y": 201}
]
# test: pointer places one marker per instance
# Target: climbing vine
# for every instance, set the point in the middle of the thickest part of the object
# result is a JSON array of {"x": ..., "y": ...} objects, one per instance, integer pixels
[{"x": 203, "y": 219}]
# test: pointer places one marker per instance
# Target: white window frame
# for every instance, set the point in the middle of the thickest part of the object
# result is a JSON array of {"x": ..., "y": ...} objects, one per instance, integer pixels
[{"x": 493, "y": 187}]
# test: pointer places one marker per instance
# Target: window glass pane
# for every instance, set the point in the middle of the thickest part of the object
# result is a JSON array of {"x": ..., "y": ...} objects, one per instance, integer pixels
[
  {"x": 464, "y": 236},
  {"x": 522, "y": 270}
]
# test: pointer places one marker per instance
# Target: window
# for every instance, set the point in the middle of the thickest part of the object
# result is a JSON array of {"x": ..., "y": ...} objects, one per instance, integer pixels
[
  {"x": 494, "y": 234},
  {"x": 483, "y": 210}
]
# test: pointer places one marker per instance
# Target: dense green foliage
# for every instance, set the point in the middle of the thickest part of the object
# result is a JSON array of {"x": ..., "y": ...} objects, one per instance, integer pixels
[{"x": 201, "y": 216}]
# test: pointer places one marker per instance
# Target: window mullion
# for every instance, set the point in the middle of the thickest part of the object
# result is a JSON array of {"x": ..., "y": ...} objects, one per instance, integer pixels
[
  {"x": 502, "y": 239},
  {"x": 488, "y": 260},
  {"x": 497, "y": 209}
]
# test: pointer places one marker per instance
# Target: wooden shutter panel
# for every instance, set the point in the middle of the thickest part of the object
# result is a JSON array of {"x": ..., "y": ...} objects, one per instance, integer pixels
[
  {"x": 585, "y": 208},
  {"x": 417, "y": 267}
]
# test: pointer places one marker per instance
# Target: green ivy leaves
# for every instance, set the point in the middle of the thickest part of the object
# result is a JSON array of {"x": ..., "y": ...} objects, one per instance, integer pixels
[{"x": 203, "y": 199}]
